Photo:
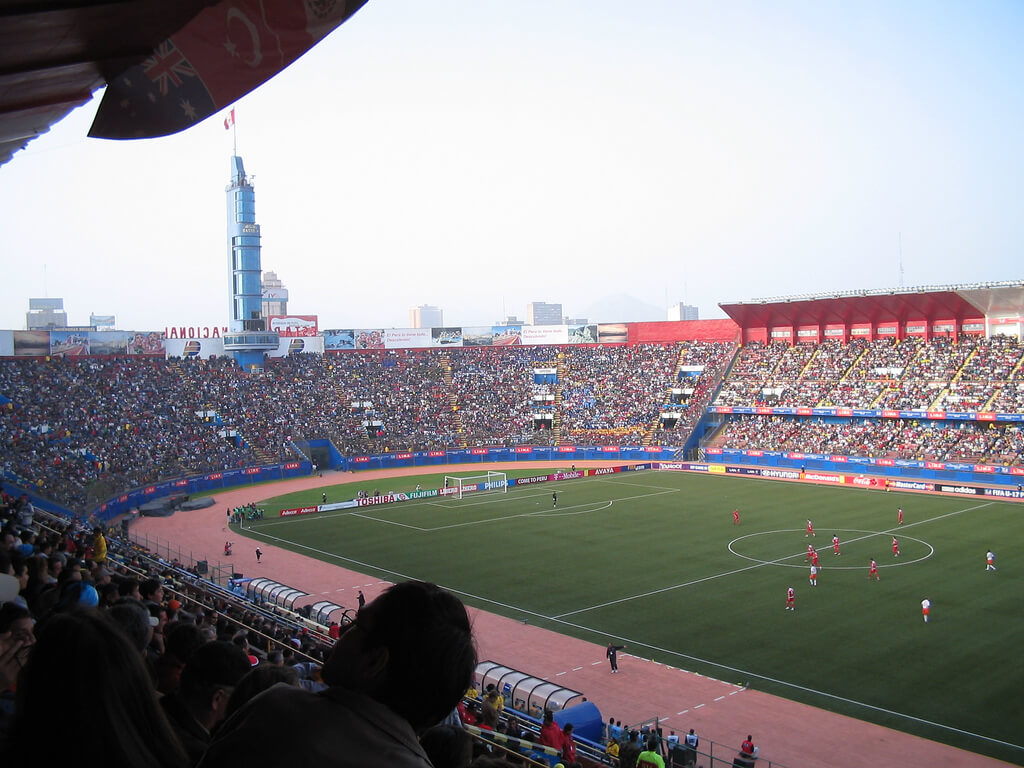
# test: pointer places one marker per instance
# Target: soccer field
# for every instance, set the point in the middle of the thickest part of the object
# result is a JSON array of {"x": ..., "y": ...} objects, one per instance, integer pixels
[{"x": 655, "y": 560}]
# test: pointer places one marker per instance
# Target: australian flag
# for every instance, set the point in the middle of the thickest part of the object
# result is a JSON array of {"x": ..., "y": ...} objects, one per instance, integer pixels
[{"x": 227, "y": 50}]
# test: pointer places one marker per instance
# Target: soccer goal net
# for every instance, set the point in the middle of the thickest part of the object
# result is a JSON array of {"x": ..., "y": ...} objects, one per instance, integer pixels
[{"x": 492, "y": 482}]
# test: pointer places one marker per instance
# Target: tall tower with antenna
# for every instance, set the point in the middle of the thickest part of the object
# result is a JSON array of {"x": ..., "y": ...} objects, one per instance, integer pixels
[{"x": 247, "y": 339}]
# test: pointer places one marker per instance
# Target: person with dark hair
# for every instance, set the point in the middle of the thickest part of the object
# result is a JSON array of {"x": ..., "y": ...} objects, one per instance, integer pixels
[
  {"x": 630, "y": 751},
  {"x": 151, "y": 590},
  {"x": 257, "y": 680},
  {"x": 207, "y": 682},
  {"x": 119, "y": 722},
  {"x": 569, "y": 746},
  {"x": 550, "y": 733},
  {"x": 129, "y": 587},
  {"x": 650, "y": 757},
  {"x": 447, "y": 746},
  {"x": 181, "y": 641},
  {"x": 17, "y": 636},
  {"x": 612, "y": 652},
  {"x": 395, "y": 671}
]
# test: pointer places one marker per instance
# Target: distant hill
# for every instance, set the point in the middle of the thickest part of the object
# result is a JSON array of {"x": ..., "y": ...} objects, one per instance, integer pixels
[{"x": 622, "y": 308}]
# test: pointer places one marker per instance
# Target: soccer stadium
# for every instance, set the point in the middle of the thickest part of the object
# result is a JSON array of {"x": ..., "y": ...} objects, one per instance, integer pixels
[
  {"x": 658, "y": 493},
  {"x": 785, "y": 537}
]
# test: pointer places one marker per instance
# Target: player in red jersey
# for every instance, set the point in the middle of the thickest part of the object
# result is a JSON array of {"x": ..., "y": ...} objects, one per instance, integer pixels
[
  {"x": 810, "y": 529},
  {"x": 814, "y": 558},
  {"x": 895, "y": 547},
  {"x": 899, "y": 516},
  {"x": 810, "y": 552},
  {"x": 873, "y": 571},
  {"x": 835, "y": 544},
  {"x": 735, "y": 517},
  {"x": 790, "y": 599}
]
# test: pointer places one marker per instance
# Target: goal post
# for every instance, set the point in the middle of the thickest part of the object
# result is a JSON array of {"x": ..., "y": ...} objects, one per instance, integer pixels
[{"x": 492, "y": 482}]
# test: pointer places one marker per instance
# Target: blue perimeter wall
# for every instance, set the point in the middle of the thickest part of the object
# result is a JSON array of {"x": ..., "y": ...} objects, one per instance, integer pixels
[{"x": 566, "y": 455}]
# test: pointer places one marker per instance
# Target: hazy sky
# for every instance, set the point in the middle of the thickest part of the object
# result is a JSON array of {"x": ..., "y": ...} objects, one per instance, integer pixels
[{"x": 481, "y": 155}]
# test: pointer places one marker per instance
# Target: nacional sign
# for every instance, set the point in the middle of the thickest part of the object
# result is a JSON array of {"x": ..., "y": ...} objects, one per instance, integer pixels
[{"x": 195, "y": 331}]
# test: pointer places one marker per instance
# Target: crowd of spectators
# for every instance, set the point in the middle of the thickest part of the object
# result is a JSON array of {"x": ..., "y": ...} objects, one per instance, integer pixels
[
  {"x": 175, "y": 665},
  {"x": 969, "y": 374},
  {"x": 614, "y": 392},
  {"x": 494, "y": 390},
  {"x": 921, "y": 440},
  {"x": 86, "y": 429},
  {"x": 712, "y": 359}
]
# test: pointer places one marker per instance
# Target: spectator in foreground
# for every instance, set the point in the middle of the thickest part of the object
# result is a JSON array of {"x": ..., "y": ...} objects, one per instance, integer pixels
[
  {"x": 115, "y": 718},
  {"x": 397, "y": 670},
  {"x": 200, "y": 703}
]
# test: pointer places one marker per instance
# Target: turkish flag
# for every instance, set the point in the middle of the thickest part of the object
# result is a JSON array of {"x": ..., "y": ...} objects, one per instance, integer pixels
[{"x": 227, "y": 50}]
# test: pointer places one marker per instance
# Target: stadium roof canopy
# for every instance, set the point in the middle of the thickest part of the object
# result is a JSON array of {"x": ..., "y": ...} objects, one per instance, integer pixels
[
  {"x": 166, "y": 64},
  {"x": 849, "y": 307},
  {"x": 54, "y": 54}
]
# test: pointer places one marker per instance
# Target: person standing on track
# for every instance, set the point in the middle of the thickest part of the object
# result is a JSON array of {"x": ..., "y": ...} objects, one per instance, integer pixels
[
  {"x": 259, "y": 554},
  {"x": 612, "y": 652}
]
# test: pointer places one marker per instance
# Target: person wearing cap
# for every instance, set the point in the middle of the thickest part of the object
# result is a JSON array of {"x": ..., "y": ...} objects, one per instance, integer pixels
[{"x": 201, "y": 700}]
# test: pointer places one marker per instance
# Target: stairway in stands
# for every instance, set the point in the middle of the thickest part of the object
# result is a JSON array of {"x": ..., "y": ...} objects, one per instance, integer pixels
[
  {"x": 556, "y": 423},
  {"x": 453, "y": 401}
]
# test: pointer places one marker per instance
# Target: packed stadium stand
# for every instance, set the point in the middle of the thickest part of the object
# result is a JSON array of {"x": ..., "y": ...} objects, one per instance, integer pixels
[{"x": 81, "y": 429}]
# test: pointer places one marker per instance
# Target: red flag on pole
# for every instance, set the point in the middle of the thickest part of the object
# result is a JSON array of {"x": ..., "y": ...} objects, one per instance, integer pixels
[{"x": 229, "y": 120}]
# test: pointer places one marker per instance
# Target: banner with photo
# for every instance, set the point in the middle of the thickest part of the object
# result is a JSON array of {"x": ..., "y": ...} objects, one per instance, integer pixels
[
  {"x": 583, "y": 334},
  {"x": 507, "y": 335},
  {"x": 109, "y": 342},
  {"x": 146, "y": 343},
  {"x": 477, "y": 336},
  {"x": 446, "y": 337},
  {"x": 69, "y": 343},
  {"x": 32, "y": 343},
  {"x": 6, "y": 343},
  {"x": 368, "y": 338},
  {"x": 339, "y": 338},
  {"x": 613, "y": 333}
]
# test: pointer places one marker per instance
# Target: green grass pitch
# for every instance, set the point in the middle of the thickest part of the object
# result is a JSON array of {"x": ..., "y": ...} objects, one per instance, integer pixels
[{"x": 654, "y": 559}]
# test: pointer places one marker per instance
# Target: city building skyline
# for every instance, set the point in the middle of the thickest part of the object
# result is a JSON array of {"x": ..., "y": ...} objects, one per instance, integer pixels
[
  {"x": 426, "y": 316},
  {"x": 543, "y": 313}
]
